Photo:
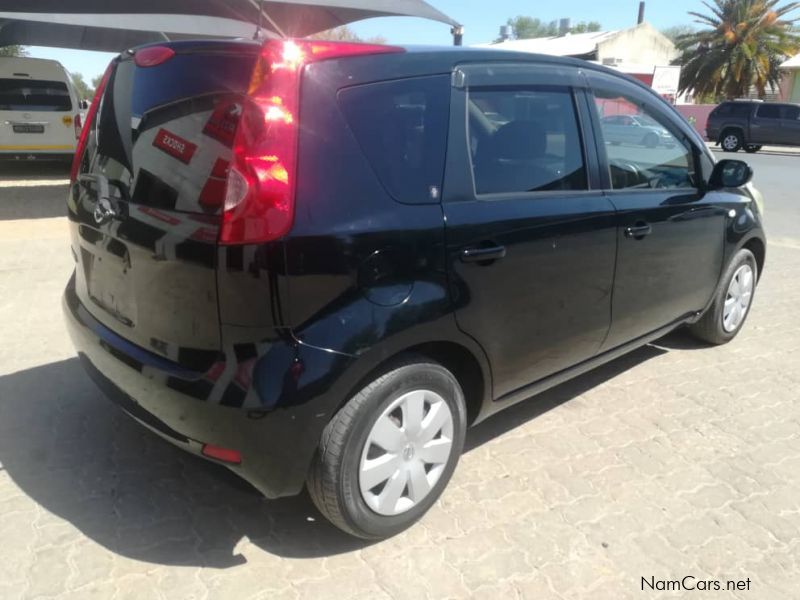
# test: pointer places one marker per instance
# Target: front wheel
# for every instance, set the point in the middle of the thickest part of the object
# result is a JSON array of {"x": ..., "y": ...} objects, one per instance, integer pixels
[
  {"x": 728, "y": 313},
  {"x": 388, "y": 454}
]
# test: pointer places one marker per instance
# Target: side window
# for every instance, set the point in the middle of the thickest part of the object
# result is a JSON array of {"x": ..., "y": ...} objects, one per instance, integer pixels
[
  {"x": 402, "y": 128},
  {"x": 769, "y": 111},
  {"x": 791, "y": 113},
  {"x": 525, "y": 140},
  {"x": 647, "y": 155},
  {"x": 741, "y": 110}
]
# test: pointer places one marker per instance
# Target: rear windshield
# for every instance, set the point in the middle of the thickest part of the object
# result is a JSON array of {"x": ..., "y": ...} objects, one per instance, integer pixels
[{"x": 34, "y": 95}]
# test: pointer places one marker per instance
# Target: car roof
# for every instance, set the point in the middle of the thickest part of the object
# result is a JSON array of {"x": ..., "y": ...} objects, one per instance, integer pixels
[
  {"x": 34, "y": 68},
  {"x": 422, "y": 60}
]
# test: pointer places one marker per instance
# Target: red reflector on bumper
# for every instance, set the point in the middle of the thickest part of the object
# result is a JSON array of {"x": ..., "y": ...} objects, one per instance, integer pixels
[{"x": 224, "y": 454}]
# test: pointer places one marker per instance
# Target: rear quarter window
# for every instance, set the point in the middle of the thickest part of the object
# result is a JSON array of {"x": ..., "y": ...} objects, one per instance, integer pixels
[
  {"x": 401, "y": 127},
  {"x": 34, "y": 95}
]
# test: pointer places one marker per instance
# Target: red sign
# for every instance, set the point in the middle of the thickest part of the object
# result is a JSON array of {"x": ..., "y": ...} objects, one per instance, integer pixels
[
  {"x": 175, "y": 146},
  {"x": 222, "y": 123}
]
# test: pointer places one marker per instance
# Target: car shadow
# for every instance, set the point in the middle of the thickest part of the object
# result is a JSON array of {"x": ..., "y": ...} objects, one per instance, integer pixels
[
  {"x": 680, "y": 340},
  {"x": 532, "y": 408},
  {"x": 83, "y": 460},
  {"x": 33, "y": 190}
]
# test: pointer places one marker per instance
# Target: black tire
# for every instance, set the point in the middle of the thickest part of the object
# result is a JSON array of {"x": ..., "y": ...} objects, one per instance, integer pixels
[
  {"x": 752, "y": 148},
  {"x": 710, "y": 327},
  {"x": 333, "y": 480},
  {"x": 731, "y": 140},
  {"x": 650, "y": 140}
]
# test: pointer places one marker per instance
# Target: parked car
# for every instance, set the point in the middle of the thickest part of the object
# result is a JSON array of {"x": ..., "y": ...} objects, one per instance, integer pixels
[
  {"x": 752, "y": 124},
  {"x": 318, "y": 263},
  {"x": 635, "y": 129},
  {"x": 39, "y": 110}
]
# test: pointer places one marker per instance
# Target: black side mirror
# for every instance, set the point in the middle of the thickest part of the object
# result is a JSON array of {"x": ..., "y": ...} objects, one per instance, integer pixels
[{"x": 730, "y": 174}]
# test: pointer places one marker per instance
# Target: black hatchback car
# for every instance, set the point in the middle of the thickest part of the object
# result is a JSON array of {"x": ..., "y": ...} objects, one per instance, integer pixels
[{"x": 318, "y": 263}]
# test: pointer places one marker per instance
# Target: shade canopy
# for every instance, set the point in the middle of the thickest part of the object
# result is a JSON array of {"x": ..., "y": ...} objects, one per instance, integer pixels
[{"x": 114, "y": 25}]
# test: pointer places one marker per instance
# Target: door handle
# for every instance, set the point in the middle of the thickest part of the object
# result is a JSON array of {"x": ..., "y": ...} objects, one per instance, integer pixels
[
  {"x": 639, "y": 231},
  {"x": 481, "y": 255}
]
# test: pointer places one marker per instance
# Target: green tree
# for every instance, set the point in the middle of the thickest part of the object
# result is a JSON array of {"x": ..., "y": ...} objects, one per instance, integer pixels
[
  {"x": 741, "y": 45},
  {"x": 678, "y": 31},
  {"x": 95, "y": 84},
  {"x": 585, "y": 27},
  {"x": 525, "y": 28},
  {"x": 83, "y": 89},
  {"x": 345, "y": 34},
  {"x": 13, "y": 51}
]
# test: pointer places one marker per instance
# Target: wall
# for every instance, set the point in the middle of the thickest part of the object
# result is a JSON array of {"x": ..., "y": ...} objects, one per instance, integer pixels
[
  {"x": 795, "y": 94},
  {"x": 642, "y": 44},
  {"x": 700, "y": 113}
]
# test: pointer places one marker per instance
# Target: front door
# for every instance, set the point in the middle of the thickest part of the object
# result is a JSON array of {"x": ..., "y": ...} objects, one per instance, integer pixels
[
  {"x": 670, "y": 232},
  {"x": 531, "y": 239}
]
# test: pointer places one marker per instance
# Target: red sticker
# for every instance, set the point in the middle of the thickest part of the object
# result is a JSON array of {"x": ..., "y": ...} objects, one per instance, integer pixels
[
  {"x": 222, "y": 123},
  {"x": 175, "y": 146}
]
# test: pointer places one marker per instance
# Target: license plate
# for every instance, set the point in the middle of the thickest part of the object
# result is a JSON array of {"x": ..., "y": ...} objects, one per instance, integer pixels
[{"x": 28, "y": 128}]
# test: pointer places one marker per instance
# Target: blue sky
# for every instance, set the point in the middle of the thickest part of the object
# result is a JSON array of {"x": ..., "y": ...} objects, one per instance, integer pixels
[{"x": 481, "y": 19}]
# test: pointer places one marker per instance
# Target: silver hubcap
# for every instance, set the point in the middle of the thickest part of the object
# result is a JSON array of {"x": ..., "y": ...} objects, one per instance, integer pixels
[
  {"x": 406, "y": 452},
  {"x": 730, "y": 142},
  {"x": 737, "y": 300}
]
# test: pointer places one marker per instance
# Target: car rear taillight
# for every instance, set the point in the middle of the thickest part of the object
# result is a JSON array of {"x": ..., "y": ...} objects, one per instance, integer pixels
[
  {"x": 77, "y": 124},
  {"x": 153, "y": 56},
  {"x": 90, "y": 115},
  {"x": 227, "y": 455},
  {"x": 260, "y": 190}
]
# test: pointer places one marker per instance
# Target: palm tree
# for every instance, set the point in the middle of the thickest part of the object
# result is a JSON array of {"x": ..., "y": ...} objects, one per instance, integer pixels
[{"x": 742, "y": 45}]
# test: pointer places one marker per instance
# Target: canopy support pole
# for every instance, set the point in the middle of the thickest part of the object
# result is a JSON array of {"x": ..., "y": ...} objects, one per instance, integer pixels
[{"x": 458, "y": 35}]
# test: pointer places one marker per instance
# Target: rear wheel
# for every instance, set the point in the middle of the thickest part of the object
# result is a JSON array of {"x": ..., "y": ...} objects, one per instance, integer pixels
[
  {"x": 734, "y": 297},
  {"x": 388, "y": 454},
  {"x": 732, "y": 140},
  {"x": 651, "y": 140}
]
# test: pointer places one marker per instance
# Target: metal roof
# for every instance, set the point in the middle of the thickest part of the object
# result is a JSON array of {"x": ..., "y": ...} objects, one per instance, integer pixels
[
  {"x": 114, "y": 25},
  {"x": 572, "y": 44},
  {"x": 792, "y": 63}
]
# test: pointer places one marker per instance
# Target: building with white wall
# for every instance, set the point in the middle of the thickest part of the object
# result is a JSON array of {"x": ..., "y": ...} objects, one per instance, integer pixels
[{"x": 642, "y": 44}]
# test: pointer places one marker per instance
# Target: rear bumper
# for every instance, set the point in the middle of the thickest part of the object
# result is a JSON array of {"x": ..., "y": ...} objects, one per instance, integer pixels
[
  {"x": 36, "y": 155},
  {"x": 277, "y": 441}
]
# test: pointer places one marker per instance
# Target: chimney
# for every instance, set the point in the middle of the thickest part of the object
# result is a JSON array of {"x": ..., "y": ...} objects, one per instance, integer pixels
[
  {"x": 641, "y": 13},
  {"x": 564, "y": 26},
  {"x": 505, "y": 33}
]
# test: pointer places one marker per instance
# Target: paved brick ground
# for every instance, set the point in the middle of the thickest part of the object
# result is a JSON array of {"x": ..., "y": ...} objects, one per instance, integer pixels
[{"x": 673, "y": 461}]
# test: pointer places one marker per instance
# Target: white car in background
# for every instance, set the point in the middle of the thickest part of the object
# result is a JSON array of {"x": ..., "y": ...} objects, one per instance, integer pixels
[
  {"x": 639, "y": 130},
  {"x": 40, "y": 112}
]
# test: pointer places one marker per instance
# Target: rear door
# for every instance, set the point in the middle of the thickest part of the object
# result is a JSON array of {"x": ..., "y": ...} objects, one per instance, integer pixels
[
  {"x": 765, "y": 126},
  {"x": 145, "y": 210},
  {"x": 671, "y": 232},
  {"x": 531, "y": 240},
  {"x": 791, "y": 125},
  {"x": 36, "y": 115}
]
